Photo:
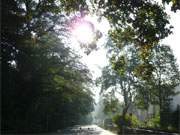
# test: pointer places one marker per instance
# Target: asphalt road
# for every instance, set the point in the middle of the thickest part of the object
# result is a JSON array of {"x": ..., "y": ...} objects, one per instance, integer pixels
[{"x": 84, "y": 130}]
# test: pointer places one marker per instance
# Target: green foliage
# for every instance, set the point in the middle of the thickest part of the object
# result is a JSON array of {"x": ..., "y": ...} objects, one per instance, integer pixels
[
  {"x": 144, "y": 71},
  {"x": 119, "y": 75},
  {"x": 134, "y": 122},
  {"x": 175, "y": 4},
  {"x": 153, "y": 122},
  {"x": 44, "y": 86},
  {"x": 71, "y": 6},
  {"x": 139, "y": 23},
  {"x": 130, "y": 120},
  {"x": 52, "y": 85},
  {"x": 136, "y": 22},
  {"x": 111, "y": 104},
  {"x": 164, "y": 77},
  {"x": 49, "y": 85},
  {"x": 119, "y": 65},
  {"x": 170, "y": 119},
  {"x": 116, "y": 119}
]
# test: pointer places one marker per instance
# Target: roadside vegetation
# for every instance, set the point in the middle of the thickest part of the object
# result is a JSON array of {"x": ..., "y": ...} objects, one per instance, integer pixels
[{"x": 46, "y": 87}]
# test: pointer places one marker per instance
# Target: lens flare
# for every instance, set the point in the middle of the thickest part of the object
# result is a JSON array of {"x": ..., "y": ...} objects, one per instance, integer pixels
[{"x": 83, "y": 32}]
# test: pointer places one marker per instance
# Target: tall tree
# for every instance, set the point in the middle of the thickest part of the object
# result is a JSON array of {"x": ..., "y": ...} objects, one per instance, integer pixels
[
  {"x": 51, "y": 82},
  {"x": 43, "y": 83},
  {"x": 159, "y": 90},
  {"x": 142, "y": 22},
  {"x": 119, "y": 76},
  {"x": 166, "y": 77},
  {"x": 111, "y": 103}
]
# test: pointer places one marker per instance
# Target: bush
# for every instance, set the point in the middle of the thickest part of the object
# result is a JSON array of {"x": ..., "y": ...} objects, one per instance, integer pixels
[
  {"x": 153, "y": 122},
  {"x": 116, "y": 119},
  {"x": 172, "y": 122},
  {"x": 130, "y": 121}
]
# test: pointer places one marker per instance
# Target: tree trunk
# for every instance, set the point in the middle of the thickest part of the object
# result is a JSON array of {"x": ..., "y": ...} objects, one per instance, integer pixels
[{"x": 126, "y": 104}]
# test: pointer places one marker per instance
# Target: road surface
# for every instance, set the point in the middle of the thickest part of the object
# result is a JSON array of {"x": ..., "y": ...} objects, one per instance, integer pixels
[{"x": 84, "y": 130}]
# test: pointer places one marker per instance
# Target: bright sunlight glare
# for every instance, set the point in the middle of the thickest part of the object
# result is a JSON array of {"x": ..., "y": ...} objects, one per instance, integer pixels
[{"x": 84, "y": 31}]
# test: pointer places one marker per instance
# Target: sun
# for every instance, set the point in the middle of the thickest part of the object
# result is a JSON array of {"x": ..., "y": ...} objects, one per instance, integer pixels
[{"x": 83, "y": 31}]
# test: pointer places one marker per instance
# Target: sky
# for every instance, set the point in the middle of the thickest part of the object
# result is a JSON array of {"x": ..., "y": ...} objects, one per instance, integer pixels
[
  {"x": 174, "y": 39},
  {"x": 96, "y": 60}
]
